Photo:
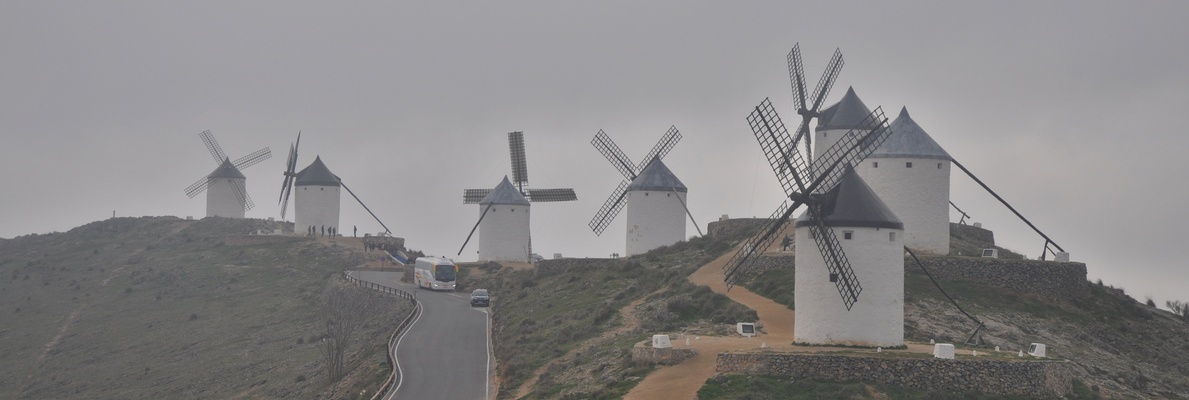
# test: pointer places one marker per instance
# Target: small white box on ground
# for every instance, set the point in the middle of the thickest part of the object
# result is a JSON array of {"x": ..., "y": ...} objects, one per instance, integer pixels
[
  {"x": 991, "y": 253},
  {"x": 661, "y": 341},
  {"x": 943, "y": 350},
  {"x": 1036, "y": 350},
  {"x": 1062, "y": 256},
  {"x": 746, "y": 328}
]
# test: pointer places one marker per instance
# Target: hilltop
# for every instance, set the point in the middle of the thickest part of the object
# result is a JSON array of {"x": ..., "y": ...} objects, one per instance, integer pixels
[
  {"x": 161, "y": 307},
  {"x": 566, "y": 328}
]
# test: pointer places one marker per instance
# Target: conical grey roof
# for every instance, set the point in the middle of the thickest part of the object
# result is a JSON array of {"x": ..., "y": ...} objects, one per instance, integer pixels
[
  {"x": 317, "y": 175},
  {"x": 227, "y": 170},
  {"x": 853, "y": 204},
  {"x": 846, "y": 114},
  {"x": 504, "y": 193},
  {"x": 909, "y": 140},
  {"x": 656, "y": 176}
]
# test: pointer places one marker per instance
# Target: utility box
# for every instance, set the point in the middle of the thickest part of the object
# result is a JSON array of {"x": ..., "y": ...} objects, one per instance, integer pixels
[
  {"x": 1061, "y": 256},
  {"x": 661, "y": 342},
  {"x": 943, "y": 350},
  {"x": 746, "y": 329},
  {"x": 991, "y": 253},
  {"x": 1036, "y": 350}
]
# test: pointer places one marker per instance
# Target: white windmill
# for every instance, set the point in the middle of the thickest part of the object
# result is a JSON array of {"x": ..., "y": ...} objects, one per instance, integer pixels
[
  {"x": 654, "y": 197},
  {"x": 504, "y": 221},
  {"x": 316, "y": 203},
  {"x": 911, "y": 174},
  {"x": 848, "y": 242},
  {"x": 226, "y": 187}
]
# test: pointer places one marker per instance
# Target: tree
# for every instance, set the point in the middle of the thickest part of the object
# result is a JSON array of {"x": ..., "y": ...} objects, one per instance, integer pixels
[
  {"x": 346, "y": 310},
  {"x": 1179, "y": 308}
]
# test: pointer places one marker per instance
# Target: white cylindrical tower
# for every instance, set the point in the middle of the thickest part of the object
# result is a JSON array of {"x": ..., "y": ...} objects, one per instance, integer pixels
[
  {"x": 316, "y": 203},
  {"x": 911, "y": 174},
  {"x": 226, "y": 192},
  {"x": 656, "y": 209},
  {"x": 504, "y": 229},
  {"x": 838, "y": 120},
  {"x": 870, "y": 235}
]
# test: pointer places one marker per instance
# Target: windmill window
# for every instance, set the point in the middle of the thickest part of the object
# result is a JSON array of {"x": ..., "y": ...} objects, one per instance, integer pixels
[
  {"x": 875, "y": 164},
  {"x": 938, "y": 165},
  {"x": 908, "y": 164},
  {"x": 891, "y": 236},
  {"x": 848, "y": 235}
]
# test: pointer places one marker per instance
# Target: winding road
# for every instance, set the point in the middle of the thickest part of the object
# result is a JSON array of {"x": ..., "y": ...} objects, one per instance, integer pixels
[{"x": 446, "y": 353}]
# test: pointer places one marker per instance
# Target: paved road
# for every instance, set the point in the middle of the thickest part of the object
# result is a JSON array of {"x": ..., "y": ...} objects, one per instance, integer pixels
[{"x": 445, "y": 354}]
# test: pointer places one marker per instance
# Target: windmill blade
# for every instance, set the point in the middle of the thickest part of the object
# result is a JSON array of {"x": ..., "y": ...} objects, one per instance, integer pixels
[
  {"x": 778, "y": 147},
  {"x": 285, "y": 182},
  {"x": 604, "y": 145},
  {"x": 519, "y": 160},
  {"x": 369, "y": 211},
  {"x": 197, "y": 187},
  {"x": 686, "y": 208},
  {"x": 827, "y": 81},
  {"x": 745, "y": 258},
  {"x": 610, "y": 209},
  {"x": 481, "y": 215},
  {"x": 252, "y": 158},
  {"x": 662, "y": 147},
  {"x": 241, "y": 194},
  {"x": 797, "y": 77},
  {"x": 841, "y": 272},
  {"x": 549, "y": 195},
  {"x": 213, "y": 146},
  {"x": 285, "y": 202},
  {"x": 474, "y": 196},
  {"x": 290, "y": 176},
  {"x": 852, "y": 149}
]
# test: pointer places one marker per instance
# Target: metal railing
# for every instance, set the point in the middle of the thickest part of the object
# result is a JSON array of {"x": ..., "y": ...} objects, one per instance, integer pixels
[{"x": 396, "y": 333}]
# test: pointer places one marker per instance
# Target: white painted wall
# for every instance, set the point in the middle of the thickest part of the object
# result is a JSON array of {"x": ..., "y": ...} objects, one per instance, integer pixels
[
  {"x": 655, "y": 219},
  {"x": 222, "y": 200},
  {"x": 877, "y": 318},
  {"x": 317, "y": 206},
  {"x": 504, "y": 233},
  {"x": 919, "y": 196},
  {"x": 823, "y": 140}
]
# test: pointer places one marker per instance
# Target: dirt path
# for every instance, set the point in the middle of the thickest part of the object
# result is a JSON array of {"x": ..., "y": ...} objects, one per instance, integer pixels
[{"x": 682, "y": 381}]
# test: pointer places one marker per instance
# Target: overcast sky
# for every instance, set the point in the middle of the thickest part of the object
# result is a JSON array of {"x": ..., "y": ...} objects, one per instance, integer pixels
[{"x": 1073, "y": 111}]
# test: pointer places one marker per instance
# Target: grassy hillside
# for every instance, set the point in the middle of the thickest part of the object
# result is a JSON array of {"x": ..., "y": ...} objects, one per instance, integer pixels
[
  {"x": 1122, "y": 348},
  {"x": 164, "y": 308},
  {"x": 566, "y": 322}
]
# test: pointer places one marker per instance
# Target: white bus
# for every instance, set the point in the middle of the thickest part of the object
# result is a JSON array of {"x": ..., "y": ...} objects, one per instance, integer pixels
[{"x": 435, "y": 273}]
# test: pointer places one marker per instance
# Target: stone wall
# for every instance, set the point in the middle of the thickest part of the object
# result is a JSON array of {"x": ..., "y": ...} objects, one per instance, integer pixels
[
  {"x": 1056, "y": 280},
  {"x": 251, "y": 240},
  {"x": 666, "y": 356},
  {"x": 1006, "y": 377},
  {"x": 735, "y": 227}
]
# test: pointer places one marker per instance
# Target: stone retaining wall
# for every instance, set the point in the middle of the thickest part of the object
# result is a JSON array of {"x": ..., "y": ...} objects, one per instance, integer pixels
[
  {"x": 1056, "y": 280},
  {"x": 1019, "y": 378},
  {"x": 666, "y": 356},
  {"x": 735, "y": 227},
  {"x": 251, "y": 240}
]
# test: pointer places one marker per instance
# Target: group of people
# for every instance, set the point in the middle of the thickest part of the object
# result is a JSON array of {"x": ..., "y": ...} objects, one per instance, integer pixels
[{"x": 314, "y": 231}]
